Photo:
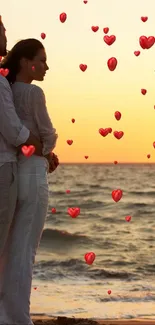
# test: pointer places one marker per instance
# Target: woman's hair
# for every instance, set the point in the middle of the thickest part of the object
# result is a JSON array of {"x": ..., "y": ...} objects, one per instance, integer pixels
[{"x": 28, "y": 49}]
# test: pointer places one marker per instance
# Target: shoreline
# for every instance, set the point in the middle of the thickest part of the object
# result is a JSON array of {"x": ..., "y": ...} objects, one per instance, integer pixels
[{"x": 45, "y": 320}]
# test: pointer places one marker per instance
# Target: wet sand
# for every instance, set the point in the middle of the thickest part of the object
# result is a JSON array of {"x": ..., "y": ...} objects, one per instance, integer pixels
[{"x": 43, "y": 320}]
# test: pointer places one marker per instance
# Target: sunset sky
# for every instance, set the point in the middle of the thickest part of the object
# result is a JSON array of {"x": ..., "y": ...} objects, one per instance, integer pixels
[{"x": 92, "y": 97}]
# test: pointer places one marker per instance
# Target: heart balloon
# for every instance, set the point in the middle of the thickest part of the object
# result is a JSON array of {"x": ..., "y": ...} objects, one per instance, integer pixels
[
  {"x": 144, "y": 19},
  {"x": 109, "y": 292},
  {"x": 148, "y": 156},
  {"x": 89, "y": 258},
  {"x": 4, "y": 72},
  {"x": 43, "y": 35},
  {"x": 86, "y": 157},
  {"x": 85, "y": 1},
  {"x": 28, "y": 150},
  {"x": 53, "y": 210},
  {"x": 109, "y": 39},
  {"x": 118, "y": 134},
  {"x": 73, "y": 120},
  {"x": 68, "y": 191},
  {"x": 137, "y": 53},
  {"x": 117, "y": 115},
  {"x": 146, "y": 42},
  {"x": 117, "y": 195},
  {"x": 103, "y": 132},
  {"x": 73, "y": 212},
  {"x": 143, "y": 91},
  {"x": 106, "y": 30},
  {"x": 63, "y": 17},
  {"x": 128, "y": 218},
  {"x": 70, "y": 142},
  {"x": 83, "y": 67},
  {"x": 112, "y": 63},
  {"x": 95, "y": 28}
]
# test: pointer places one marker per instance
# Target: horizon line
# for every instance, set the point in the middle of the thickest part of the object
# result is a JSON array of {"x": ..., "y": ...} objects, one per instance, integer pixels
[{"x": 110, "y": 163}]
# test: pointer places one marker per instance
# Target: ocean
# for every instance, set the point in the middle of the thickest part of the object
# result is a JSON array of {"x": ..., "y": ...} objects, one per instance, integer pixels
[{"x": 63, "y": 284}]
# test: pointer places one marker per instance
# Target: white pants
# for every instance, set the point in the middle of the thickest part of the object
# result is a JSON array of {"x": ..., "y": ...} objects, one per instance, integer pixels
[{"x": 24, "y": 240}]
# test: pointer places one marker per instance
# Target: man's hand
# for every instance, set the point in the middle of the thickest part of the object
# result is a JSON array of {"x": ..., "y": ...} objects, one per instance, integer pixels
[{"x": 53, "y": 162}]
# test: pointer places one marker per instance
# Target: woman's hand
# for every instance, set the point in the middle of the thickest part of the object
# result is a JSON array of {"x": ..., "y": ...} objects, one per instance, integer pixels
[{"x": 53, "y": 162}]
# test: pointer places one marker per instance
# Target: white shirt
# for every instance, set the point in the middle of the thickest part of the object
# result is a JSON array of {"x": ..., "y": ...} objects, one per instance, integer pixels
[
  {"x": 31, "y": 108},
  {"x": 12, "y": 132}
]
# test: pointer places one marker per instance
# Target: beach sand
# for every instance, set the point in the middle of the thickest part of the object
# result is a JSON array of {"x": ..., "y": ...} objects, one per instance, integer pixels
[{"x": 43, "y": 320}]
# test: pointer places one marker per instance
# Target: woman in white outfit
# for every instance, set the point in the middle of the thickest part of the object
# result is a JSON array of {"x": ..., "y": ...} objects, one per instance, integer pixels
[{"x": 27, "y": 62}]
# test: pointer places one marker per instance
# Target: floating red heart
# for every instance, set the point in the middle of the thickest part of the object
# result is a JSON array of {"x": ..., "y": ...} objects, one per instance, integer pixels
[
  {"x": 4, "y": 72},
  {"x": 28, "y": 150},
  {"x": 146, "y": 42},
  {"x": 68, "y": 191},
  {"x": 154, "y": 144},
  {"x": 70, "y": 142},
  {"x": 73, "y": 120},
  {"x": 89, "y": 258},
  {"x": 73, "y": 212},
  {"x": 128, "y": 218},
  {"x": 117, "y": 115},
  {"x": 117, "y": 195},
  {"x": 103, "y": 132},
  {"x": 109, "y": 39},
  {"x": 109, "y": 130},
  {"x": 95, "y": 28},
  {"x": 137, "y": 53},
  {"x": 53, "y": 210},
  {"x": 112, "y": 63},
  {"x": 43, "y": 35},
  {"x": 144, "y": 19},
  {"x": 83, "y": 67},
  {"x": 35, "y": 288},
  {"x": 109, "y": 292},
  {"x": 63, "y": 17},
  {"x": 86, "y": 157},
  {"x": 85, "y": 1},
  {"x": 148, "y": 156},
  {"x": 105, "y": 30},
  {"x": 118, "y": 134},
  {"x": 143, "y": 91},
  {"x": 115, "y": 162}
]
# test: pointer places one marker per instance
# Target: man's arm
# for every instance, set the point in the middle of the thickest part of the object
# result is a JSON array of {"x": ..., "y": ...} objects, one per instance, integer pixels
[{"x": 10, "y": 125}]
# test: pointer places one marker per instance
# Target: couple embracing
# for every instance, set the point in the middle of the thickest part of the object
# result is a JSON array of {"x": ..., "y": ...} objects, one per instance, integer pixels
[{"x": 24, "y": 120}]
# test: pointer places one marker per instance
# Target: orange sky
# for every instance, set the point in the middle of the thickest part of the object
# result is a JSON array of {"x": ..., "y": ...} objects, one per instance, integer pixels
[{"x": 92, "y": 97}]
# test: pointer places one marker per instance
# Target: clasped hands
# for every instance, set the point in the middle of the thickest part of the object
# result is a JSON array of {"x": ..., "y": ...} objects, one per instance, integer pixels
[{"x": 53, "y": 162}]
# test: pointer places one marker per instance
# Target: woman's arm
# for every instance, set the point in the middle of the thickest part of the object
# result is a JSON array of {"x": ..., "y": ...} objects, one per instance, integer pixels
[{"x": 47, "y": 133}]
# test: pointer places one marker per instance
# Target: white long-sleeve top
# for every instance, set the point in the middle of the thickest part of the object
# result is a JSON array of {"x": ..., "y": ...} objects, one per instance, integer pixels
[{"x": 30, "y": 104}]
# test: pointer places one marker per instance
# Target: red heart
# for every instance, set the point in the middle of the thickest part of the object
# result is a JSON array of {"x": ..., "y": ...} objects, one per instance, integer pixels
[
  {"x": 43, "y": 35},
  {"x": 4, "y": 72},
  {"x": 144, "y": 19},
  {"x": 154, "y": 144},
  {"x": 118, "y": 134},
  {"x": 89, "y": 258},
  {"x": 112, "y": 63},
  {"x": 137, "y": 53},
  {"x": 68, "y": 191},
  {"x": 117, "y": 195},
  {"x": 143, "y": 91},
  {"x": 53, "y": 210},
  {"x": 70, "y": 142},
  {"x": 110, "y": 130},
  {"x": 95, "y": 28},
  {"x": 83, "y": 67},
  {"x": 103, "y": 132},
  {"x": 109, "y": 292},
  {"x": 128, "y": 218},
  {"x": 117, "y": 115},
  {"x": 63, "y": 17},
  {"x": 115, "y": 162},
  {"x": 35, "y": 288},
  {"x": 85, "y": 1},
  {"x": 148, "y": 156},
  {"x": 73, "y": 120},
  {"x": 106, "y": 30},
  {"x": 146, "y": 42},
  {"x": 109, "y": 39},
  {"x": 28, "y": 150},
  {"x": 86, "y": 157},
  {"x": 73, "y": 212}
]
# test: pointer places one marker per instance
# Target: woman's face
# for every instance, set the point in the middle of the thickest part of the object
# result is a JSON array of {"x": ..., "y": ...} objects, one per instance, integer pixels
[{"x": 36, "y": 68}]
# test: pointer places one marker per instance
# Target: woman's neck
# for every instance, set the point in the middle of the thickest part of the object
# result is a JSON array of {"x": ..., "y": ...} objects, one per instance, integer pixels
[{"x": 23, "y": 78}]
